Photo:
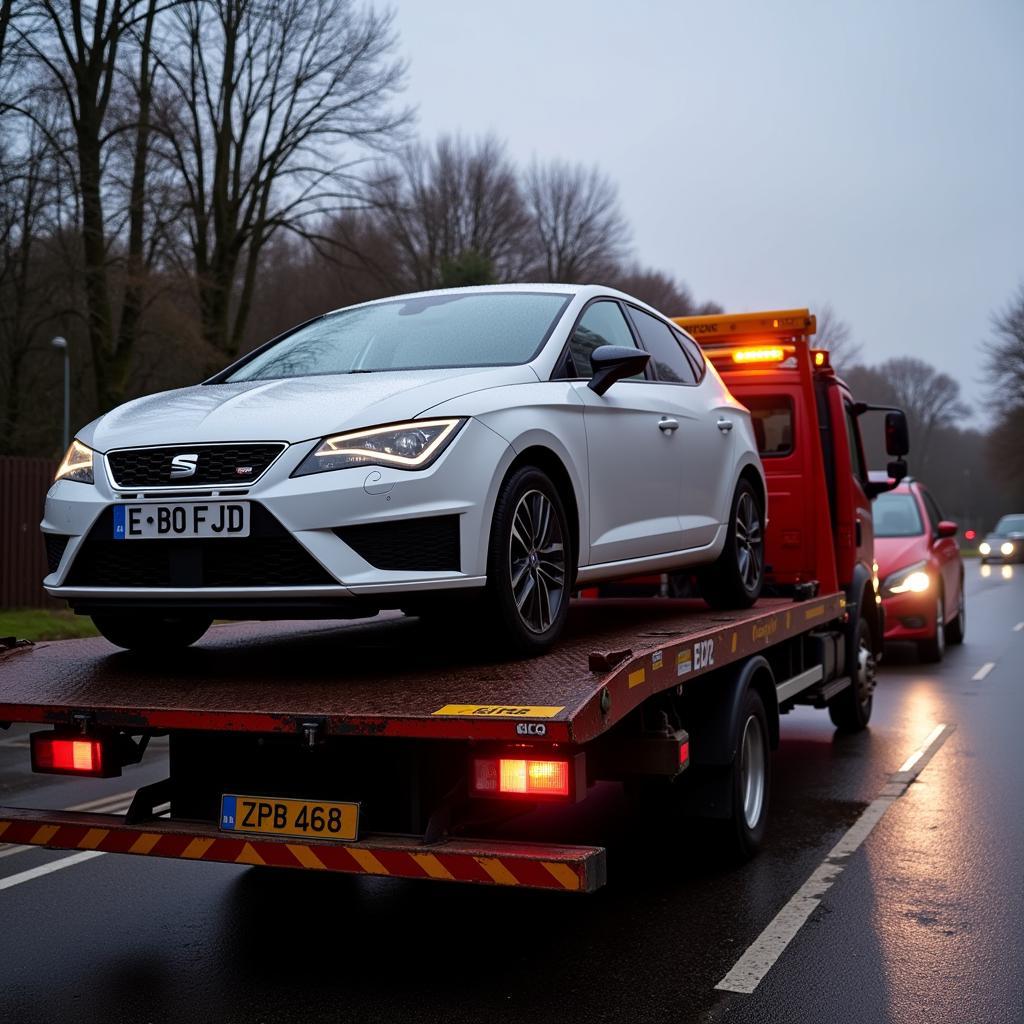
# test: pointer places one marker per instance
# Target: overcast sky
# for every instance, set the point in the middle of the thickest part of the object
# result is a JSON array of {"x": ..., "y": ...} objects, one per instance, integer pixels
[{"x": 867, "y": 154}]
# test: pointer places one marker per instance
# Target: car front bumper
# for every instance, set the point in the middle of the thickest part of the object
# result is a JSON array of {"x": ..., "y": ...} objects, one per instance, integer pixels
[
  {"x": 462, "y": 483},
  {"x": 910, "y": 616}
]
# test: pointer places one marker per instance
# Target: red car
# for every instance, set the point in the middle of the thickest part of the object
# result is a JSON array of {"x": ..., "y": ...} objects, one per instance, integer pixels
[{"x": 919, "y": 566}]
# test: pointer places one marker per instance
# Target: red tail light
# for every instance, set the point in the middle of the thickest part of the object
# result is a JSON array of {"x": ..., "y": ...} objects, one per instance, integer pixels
[
  {"x": 71, "y": 755},
  {"x": 526, "y": 776}
]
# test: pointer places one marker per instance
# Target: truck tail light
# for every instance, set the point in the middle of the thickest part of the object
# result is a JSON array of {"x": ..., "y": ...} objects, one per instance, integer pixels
[
  {"x": 58, "y": 754},
  {"x": 522, "y": 776}
]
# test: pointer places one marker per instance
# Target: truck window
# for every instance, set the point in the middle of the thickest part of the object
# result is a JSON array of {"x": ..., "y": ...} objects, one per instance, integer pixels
[
  {"x": 670, "y": 364},
  {"x": 772, "y": 418},
  {"x": 856, "y": 449}
]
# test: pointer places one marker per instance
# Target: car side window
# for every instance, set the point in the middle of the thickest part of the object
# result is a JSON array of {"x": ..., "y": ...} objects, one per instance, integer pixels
[
  {"x": 692, "y": 349},
  {"x": 932, "y": 510},
  {"x": 670, "y": 363},
  {"x": 601, "y": 324}
]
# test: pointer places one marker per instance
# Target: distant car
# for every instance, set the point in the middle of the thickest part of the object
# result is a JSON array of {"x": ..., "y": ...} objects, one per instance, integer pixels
[
  {"x": 921, "y": 572},
  {"x": 473, "y": 455},
  {"x": 1006, "y": 542}
]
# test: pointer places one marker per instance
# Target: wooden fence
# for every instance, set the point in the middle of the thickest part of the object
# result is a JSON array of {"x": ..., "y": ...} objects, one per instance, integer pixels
[{"x": 23, "y": 486}]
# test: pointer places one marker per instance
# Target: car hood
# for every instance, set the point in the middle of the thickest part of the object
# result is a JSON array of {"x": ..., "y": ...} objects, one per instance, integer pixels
[
  {"x": 895, "y": 553},
  {"x": 294, "y": 409}
]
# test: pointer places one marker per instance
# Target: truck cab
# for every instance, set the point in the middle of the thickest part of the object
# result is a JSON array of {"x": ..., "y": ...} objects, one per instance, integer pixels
[{"x": 808, "y": 428}]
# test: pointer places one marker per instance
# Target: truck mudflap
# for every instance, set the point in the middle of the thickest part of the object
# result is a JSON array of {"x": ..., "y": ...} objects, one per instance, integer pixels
[{"x": 484, "y": 862}]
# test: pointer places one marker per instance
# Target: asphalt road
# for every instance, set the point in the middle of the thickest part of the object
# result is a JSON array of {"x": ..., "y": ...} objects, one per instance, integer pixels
[{"x": 925, "y": 921}]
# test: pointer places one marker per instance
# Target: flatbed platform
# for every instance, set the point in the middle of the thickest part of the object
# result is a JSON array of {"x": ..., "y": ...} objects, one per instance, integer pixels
[{"x": 395, "y": 676}]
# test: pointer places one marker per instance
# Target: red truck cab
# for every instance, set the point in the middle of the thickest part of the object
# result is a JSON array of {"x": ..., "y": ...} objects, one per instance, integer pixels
[{"x": 807, "y": 422}]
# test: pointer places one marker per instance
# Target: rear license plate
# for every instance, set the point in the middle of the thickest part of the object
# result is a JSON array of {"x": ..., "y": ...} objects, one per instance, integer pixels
[
  {"x": 273, "y": 816},
  {"x": 182, "y": 519}
]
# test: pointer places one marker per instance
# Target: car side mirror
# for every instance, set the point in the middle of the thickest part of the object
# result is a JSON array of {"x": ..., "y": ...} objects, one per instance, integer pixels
[
  {"x": 613, "y": 362},
  {"x": 946, "y": 528},
  {"x": 897, "y": 435}
]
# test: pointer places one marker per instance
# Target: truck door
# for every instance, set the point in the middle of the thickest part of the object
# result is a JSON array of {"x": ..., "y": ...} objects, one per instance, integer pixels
[{"x": 863, "y": 526}]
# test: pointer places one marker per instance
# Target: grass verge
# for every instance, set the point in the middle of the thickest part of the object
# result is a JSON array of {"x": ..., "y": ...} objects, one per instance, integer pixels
[{"x": 44, "y": 624}]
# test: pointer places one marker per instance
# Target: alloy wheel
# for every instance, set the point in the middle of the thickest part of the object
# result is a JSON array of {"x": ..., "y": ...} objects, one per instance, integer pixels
[
  {"x": 749, "y": 541},
  {"x": 537, "y": 561}
]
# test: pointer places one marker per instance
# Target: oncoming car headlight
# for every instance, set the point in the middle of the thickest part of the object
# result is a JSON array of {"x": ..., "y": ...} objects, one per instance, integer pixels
[
  {"x": 413, "y": 445},
  {"x": 76, "y": 465},
  {"x": 985, "y": 548},
  {"x": 1006, "y": 548},
  {"x": 911, "y": 580}
]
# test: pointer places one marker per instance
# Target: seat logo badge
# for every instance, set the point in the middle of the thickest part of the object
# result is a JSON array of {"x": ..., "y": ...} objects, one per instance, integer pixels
[
  {"x": 183, "y": 465},
  {"x": 243, "y": 470}
]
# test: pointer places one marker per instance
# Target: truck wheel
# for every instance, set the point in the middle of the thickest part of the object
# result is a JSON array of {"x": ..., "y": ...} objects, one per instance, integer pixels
[
  {"x": 933, "y": 649},
  {"x": 751, "y": 782},
  {"x": 957, "y": 629},
  {"x": 735, "y": 580},
  {"x": 530, "y": 568},
  {"x": 153, "y": 632},
  {"x": 850, "y": 709}
]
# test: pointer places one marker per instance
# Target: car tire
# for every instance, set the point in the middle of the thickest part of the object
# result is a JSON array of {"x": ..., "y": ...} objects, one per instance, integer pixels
[
  {"x": 736, "y": 578},
  {"x": 153, "y": 632},
  {"x": 850, "y": 709},
  {"x": 957, "y": 629},
  {"x": 531, "y": 568},
  {"x": 933, "y": 649}
]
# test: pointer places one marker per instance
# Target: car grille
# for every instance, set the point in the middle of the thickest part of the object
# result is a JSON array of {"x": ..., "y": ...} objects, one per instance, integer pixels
[
  {"x": 216, "y": 464},
  {"x": 414, "y": 545},
  {"x": 269, "y": 557},
  {"x": 56, "y": 543}
]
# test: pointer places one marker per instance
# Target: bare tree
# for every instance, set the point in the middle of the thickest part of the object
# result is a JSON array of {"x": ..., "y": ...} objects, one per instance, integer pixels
[
  {"x": 1005, "y": 355},
  {"x": 930, "y": 399},
  {"x": 264, "y": 95},
  {"x": 835, "y": 335},
  {"x": 581, "y": 235},
  {"x": 76, "y": 49},
  {"x": 662, "y": 291},
  {"x": 454, "y": 214}
]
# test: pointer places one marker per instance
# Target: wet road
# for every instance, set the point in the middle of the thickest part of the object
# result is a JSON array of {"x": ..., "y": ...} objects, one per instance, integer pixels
[{"x": 925, "y": 920}]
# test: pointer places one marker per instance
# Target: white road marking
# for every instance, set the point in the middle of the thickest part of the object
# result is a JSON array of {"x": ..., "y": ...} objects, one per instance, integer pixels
[
  {"x": 983, "y": 671},
  {"x": 760, "y": 957},
  {"x": 47, "y": 869}
]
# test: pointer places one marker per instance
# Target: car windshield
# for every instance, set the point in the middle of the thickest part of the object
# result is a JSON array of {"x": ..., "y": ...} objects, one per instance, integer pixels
[
  {"x": 1008, "y": 525},
  {"x": 896, "y": 515},
  {"x": 426, "y": 332}
]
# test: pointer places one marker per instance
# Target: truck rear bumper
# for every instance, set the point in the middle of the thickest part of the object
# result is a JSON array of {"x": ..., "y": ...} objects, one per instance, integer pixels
[{"x": 526, "y": 865}]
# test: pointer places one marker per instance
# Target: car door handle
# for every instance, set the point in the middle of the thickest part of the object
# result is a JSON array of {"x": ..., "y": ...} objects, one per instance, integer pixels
[
  {"x": 668, "y": 425},
  {"x": 724, "y": 426}
]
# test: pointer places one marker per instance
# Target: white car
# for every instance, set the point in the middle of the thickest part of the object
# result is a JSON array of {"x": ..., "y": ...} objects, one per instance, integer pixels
[{"x": 477, "y": 451}]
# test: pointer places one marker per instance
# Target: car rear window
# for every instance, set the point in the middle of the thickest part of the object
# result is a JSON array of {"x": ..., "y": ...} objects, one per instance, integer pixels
[
  {"x": 415, "y": 333},
  {"x": 897, "y": 515}
]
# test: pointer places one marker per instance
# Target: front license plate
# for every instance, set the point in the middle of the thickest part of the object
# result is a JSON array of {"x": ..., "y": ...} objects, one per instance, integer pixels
[
  {"x": 182, "y": 519},
  {"x": 273, "y": 816}
]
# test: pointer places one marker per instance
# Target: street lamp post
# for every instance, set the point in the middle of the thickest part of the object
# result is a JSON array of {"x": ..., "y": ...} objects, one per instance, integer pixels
[{"x": 62, "y": 345}]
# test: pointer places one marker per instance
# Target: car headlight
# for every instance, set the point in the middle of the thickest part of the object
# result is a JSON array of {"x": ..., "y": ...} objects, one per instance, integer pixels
[
  {"x": 76, "y": 465},
  {"x": 412, "y": 445},
  {"x": 985, "y": 548},
  {"x": 914, "y": 579},
  {"x": 1006, "y": 548}
]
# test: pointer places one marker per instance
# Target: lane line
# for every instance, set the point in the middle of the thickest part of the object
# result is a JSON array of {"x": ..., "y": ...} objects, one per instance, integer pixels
[
  {"x": 983, "y": 671},
  {"x": 47, "y": 869},
  {"x": 749, "y": 971}
]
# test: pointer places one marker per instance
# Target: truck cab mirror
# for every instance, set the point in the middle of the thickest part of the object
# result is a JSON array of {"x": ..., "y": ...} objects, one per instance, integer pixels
[
  {"x": 613, "y": 362},
  {"x": 897, "y": 436}
]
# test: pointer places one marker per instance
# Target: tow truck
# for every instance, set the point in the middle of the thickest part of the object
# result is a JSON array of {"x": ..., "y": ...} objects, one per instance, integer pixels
[{"x": 383, "y": 748}]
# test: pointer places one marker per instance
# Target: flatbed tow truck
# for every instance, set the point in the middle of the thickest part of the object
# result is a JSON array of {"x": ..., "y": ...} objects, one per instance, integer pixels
[{"x": 381, "y": 747}]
